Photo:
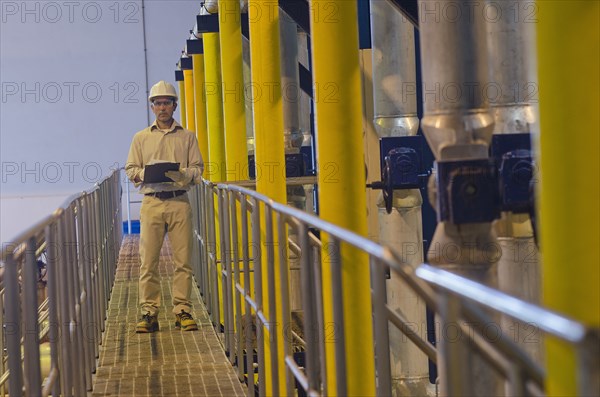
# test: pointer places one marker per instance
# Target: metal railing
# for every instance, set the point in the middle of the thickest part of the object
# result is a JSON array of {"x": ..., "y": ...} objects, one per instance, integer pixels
[
  {"x": 230, "y": 270},
  {"x": 80, "y": 243}
]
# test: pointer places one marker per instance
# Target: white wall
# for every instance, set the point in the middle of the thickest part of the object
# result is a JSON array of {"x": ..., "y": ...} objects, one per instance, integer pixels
[{"x": 73, "y": 92}]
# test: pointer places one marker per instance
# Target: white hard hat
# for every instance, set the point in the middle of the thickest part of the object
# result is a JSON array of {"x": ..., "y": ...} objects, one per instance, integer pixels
[{"x": 162, "y": 88}]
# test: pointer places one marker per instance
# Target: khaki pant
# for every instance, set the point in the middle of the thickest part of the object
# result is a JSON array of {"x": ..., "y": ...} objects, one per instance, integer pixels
[{"x": 157, "y": 217}]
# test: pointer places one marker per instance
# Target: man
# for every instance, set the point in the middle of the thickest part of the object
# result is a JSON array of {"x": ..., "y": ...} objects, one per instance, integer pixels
[{"x": 165, "y": 207}]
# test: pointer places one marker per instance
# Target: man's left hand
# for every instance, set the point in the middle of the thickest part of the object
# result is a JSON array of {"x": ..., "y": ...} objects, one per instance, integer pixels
[{"x": 179, "y": 177}]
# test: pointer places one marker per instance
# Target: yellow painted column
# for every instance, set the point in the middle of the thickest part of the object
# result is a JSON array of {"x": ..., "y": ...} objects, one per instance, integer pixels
[
  {"x": 190, "y": 117},
  {"x": 342, "y": 185},
  {"x": 230, "y": 34},
  {"x": 200, "y": 105},
  {"x": 270, "y": 154},
  {"x": 569, "y": 67},
  {"x": 182, "y": 111},
  {"x": 215, "y": 170}
]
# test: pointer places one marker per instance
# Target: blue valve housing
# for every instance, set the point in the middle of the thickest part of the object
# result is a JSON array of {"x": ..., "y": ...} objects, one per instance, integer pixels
[
  {"x": 402, "y": 162},
  {"x": 467, "y": 191},
  {"x": 514, "y": 162}
]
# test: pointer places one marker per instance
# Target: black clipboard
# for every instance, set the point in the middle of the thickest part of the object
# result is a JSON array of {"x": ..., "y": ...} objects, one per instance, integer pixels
[{"x": 155, "y": 173}]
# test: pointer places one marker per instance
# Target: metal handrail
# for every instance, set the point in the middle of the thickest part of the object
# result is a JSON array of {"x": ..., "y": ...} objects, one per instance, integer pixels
[
  {"x": 79, "y": 240},
  {"x": 442, "y": 291}
]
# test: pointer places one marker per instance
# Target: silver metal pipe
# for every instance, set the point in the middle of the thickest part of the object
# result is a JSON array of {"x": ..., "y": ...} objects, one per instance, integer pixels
[
  {"x": 513, "y": 82},
  {"x": 394, "y": 71},
  {"x": 513, "y": 90},
  {"x": 458, "y": 126},
  {"x": 395, "y": 107},
  {"x": 457, "y": 121},
  {"x": 290, "y": 83}
]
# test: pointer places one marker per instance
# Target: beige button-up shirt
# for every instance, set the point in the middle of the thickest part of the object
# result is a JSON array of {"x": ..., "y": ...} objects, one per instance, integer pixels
[{"x": 176, "y": 145}]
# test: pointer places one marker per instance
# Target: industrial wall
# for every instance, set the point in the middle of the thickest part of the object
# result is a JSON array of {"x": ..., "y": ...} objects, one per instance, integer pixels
[{"x": 74, "y": 77}]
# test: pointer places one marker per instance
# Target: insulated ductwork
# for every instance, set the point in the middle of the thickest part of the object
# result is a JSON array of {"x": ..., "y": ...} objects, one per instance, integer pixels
[
  {"x": 512, "y": 90},
  {"x": 458, "y": 126},
  {"x": 395, "y": 107},
  {"x": 211, "y": 6},
  {"x": 290, "y": 83}
]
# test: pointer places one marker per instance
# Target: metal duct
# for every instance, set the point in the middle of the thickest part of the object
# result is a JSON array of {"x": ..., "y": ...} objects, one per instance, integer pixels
[
  {"x": 458, "y": 126},
  {"x": 395, "y": 107},
  {"x": 211, "y": 6},
  {"x": 513, "y": 89},
  {"x": 290, "y": 83}
]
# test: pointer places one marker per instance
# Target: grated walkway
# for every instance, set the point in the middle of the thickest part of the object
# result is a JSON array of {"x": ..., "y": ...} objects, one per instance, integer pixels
[{"x": 165, "y": 363}]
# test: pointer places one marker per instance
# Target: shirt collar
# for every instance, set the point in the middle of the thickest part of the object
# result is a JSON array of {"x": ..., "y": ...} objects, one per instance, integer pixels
[{"x": 174, "y": 126}]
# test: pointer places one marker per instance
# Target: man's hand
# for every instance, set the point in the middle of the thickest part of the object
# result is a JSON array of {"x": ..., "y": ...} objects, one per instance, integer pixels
[
  {"x": 179, "y": 177},
  {"x": 139, "y": 178}
]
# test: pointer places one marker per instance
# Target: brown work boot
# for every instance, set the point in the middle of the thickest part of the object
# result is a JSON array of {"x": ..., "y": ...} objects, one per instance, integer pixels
[
  {"x": 185, "y": 321},
  {"x": 147, "y": 324}
]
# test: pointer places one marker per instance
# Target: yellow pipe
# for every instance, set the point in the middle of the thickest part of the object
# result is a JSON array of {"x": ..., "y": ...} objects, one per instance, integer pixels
[
  {"x": 230, "y": 34},
  {"x": 182, "y": 103},
  {"x": 342, "y": 191},
  {"x": 269, "y": 152},
  {"x": 188, "y": 80},
  {"x": 200, "y": 105},
  {"x": 215, "y": 170},
  {"x": 569, "y": 67}
]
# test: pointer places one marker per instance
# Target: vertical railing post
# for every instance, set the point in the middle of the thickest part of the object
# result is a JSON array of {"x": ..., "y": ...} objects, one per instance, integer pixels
[
  {"x": 381, "y": 324},
  {"x": 72, "y": 275},
  {"x": 236, "y": 282},
  {"x": 309, "y": 307},
  {"x": 85, "y": 310},
  {"x": 285, "y": 300},
  {"x": 13, "y": 326},
  {"x": 214, "y": 270},
  {"x": 128, "y": 194},
  {"x": 258, "y": 293},
  {"x": 338, "y": 315},
  {"x": 52, "y": 252},
  {"x": 248, "y": 295},
  {"x": 319, "y": 302},
  {"x": 2, "y": 336},
  {"x": 225, "y": 227},
  {"x": 93, "y": 253},
  {"x": 450, "y": 363},
  {"x": 588, "y": 366},
  {"x": 271, "y": 298},
  {"x": 31, "y": 342},
  {"x": 63, "y": 296}
]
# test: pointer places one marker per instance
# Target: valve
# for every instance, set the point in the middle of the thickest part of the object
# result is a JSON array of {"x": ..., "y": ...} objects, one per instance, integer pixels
[
  {"x": 514, "y": 161},
  {"x": 516, "y": 173},
  {"x": 467, "y": 191},
  {"x": 401, "y": 167}
]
